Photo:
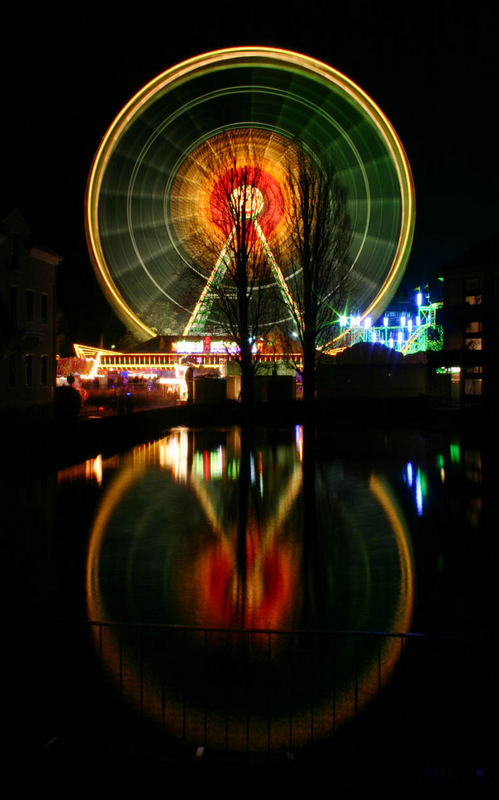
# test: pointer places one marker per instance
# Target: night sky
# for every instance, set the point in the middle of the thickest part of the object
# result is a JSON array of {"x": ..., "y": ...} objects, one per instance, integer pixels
[{"x": 433, "y": 72}]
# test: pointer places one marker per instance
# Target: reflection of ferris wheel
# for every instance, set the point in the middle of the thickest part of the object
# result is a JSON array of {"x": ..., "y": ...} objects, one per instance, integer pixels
[{"x": 150, "y": 191}]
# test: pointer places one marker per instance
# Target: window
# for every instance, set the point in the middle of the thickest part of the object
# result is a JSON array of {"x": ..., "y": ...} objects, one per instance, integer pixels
[
  {"x": 13, "y": 305},
  {"x": 473, "y": 291},
  {"x": 474, "y": 326},
  {"x": 12, "y": 369},
  {"x": 473, "y": 386},
  {"x": 44, "y": 306},
  {"x": 29, "y": 305},
  {"x": 474, "y": 343},
  {"x": 28, "y": 369},
  {"x": 44, "y": 366}
]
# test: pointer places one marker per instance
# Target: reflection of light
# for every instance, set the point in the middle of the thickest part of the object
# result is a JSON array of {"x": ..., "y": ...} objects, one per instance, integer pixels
[
  {"x": 271, "y": 602},
  {"x": 455, "y": 453},
  {"x": 209, "y": 465},
  {"x": 173, "y": 451},
  {"x": 410, "y": 475},
  {"x": 419, "y": 495},
  {"x": 97, "y": 468},
  {"x": 299, "y": 441},
  {"x": 90, "y": 470}
]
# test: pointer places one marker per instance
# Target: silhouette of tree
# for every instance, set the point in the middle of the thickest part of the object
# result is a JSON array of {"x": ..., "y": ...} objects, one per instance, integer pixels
[
  {"x": 238, "y": 294},
  {"x": 318, "y": 257}
]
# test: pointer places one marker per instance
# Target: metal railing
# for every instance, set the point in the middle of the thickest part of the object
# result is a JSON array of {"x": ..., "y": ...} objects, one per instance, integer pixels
[{"x": 256, "y": 691}]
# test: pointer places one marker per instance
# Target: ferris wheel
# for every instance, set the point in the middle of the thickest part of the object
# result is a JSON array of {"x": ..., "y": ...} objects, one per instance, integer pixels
[{"x": 150, "y": 216}]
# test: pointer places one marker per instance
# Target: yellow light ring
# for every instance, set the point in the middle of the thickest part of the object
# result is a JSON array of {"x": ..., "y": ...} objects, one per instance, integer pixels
[
  {"x": 268, "y": 58},
  {"x": 350, "y": 701}
]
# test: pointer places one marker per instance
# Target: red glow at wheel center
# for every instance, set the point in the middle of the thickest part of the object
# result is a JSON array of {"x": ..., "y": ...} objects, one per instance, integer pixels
[{"x": 269, "y": 213}]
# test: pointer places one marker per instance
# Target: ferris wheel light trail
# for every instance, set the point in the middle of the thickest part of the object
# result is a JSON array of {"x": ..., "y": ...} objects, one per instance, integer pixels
[
  {"x": 148, "y": 194},
  {"x": 248, "y": 201}
]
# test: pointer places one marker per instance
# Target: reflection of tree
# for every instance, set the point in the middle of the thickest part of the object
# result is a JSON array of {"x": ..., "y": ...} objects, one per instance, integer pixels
[{"x": 252, "y": 554}]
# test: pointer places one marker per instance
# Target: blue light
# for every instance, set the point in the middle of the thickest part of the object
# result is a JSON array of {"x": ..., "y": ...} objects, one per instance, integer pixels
[
  {"x": 419, "y": 495},
  {"x": 410, "y": 473}
]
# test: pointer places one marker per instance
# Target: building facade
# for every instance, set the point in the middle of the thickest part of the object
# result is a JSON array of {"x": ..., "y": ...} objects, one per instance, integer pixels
[
  {"x": 28, "y": 313},
  {"x": 471, "y": 323}
]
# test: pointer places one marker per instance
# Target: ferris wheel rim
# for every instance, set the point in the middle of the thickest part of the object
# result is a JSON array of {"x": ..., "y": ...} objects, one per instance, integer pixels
[{"x": 217, "y": 60}]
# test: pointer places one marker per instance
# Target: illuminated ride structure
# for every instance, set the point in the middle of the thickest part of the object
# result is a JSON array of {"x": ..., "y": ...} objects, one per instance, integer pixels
[
  {"x": 158, "y": 244},
  {"x": 408, "y": 331}
]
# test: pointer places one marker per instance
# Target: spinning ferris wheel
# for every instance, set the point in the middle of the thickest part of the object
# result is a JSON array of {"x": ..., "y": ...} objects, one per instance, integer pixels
[{"x": 150, "y": 212}]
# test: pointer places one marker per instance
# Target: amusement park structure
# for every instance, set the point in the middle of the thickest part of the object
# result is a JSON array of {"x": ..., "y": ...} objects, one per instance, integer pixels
[
  {"x": 410, "y": 329},
  {"x": 157, "y": 241}
]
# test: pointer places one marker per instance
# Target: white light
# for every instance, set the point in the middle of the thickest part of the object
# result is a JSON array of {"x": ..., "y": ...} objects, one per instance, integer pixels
[
  {"x": 367, "y": 322},
  {"x": 390, "y": 342},
  {"x": 419, "y": 299},
  {"x": 385, "y": 322},
  {"x": 402, "y": 322},
  {"x": 400, "y": 337},
  {"x": 343, "y": 321},
  {"x": 409, "y": 324},
  {"x": 418, "y": 320}
]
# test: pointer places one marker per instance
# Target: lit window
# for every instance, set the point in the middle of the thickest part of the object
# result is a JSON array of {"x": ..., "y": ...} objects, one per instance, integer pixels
[
  {"x": 474, "y": 326},
  {"x": 473, "y": 344},
  {"x": 473, "y": 387}
]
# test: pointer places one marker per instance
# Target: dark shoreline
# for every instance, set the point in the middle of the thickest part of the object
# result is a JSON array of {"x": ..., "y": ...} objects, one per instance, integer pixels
[{"x": 51, "y": 444}]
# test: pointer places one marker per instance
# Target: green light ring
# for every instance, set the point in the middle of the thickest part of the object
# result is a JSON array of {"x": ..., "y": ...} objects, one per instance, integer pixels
[{"x": 268, "y": 58}]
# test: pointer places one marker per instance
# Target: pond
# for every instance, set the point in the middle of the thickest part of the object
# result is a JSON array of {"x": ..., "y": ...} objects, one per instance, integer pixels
[{"x": 262, "y": 592}]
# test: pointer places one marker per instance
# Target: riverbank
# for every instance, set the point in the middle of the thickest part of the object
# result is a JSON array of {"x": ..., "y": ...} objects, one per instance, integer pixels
[{"x": 52, "y": 444}]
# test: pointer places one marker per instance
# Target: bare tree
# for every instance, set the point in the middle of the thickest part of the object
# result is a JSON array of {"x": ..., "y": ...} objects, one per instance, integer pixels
[
  {"x": 318, "y": 257},
  {"x": 241, "y": 286}
]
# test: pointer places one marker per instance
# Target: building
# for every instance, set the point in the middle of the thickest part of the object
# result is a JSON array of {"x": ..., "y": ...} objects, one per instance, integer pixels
[
  {"x": 28, "y": 311},
  {"x": 470, "y": 317}
]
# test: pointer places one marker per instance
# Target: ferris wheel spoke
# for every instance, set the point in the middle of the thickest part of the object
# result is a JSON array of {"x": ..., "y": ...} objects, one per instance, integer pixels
[
  {"x": 204, "y": 305},
  {"x": 277, "y": 273}
]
